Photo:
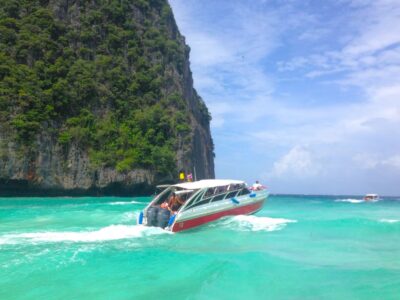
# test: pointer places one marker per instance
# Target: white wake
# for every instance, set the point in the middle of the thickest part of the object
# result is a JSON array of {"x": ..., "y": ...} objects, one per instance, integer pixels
[
  {"x": 350, "y": 200},
  {"x": 254, "y": 223},
  {"x": 389, "y": 220},
  {"x": 124, "y": 202},
  {"x": 112, "y": 232}
]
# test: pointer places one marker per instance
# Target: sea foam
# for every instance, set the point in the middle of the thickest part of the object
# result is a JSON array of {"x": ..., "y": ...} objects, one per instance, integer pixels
[
  {"x": 124, "y": 202},
  {"x": 389, "y": 221},
  {"x": 112, "y": 232},
  {"x": 350, "y": 200},
  {"x": 254, "y": 223}
]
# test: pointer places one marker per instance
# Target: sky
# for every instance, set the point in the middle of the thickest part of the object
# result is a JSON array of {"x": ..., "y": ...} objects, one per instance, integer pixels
[{"x": 304, "y": 95}]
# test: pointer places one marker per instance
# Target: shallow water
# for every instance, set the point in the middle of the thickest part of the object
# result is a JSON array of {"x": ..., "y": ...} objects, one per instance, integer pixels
[{"x": 296, "y": 247}]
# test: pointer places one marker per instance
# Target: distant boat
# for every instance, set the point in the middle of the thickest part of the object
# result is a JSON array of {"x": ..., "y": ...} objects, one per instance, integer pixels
[
  {"x": 371, "y": 197},
  {"x": 201, "y": 202}
]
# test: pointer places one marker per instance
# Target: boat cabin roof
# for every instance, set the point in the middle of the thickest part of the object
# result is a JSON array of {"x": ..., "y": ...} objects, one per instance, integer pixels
[
  {"x": 183, "y": 192},
  {"x": 207, "y": 183}
]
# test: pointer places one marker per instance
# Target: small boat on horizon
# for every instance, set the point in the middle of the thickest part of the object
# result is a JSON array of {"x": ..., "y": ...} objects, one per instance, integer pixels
[
  {"x": 371, "y": 197},
  {"x": 187, "y": 205}
]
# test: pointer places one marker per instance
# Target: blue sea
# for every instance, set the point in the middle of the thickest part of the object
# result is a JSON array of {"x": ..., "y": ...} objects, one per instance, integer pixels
[{"x": 296, "y": 247}]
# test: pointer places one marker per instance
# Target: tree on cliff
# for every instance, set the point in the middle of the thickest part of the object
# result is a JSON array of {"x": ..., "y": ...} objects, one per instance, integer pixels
[{"x": 104, "y": 76}]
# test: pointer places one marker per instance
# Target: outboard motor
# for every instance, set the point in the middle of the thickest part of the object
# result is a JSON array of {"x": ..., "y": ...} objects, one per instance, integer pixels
[
  {"x": 152, "y": 212},
  {"x": 163, "y": 218}
]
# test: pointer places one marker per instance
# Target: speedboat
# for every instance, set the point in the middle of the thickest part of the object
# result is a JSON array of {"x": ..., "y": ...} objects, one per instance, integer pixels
[
  {"x": 201, "y": 202},
  {"x": 371, "y": 197}
]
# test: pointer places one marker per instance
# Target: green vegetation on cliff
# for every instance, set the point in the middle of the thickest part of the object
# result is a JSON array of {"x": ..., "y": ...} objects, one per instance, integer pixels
[{"x": 97, "y": 74}]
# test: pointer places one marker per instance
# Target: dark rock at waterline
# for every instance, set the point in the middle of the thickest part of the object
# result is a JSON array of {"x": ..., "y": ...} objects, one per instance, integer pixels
[{"x": 24, "y": 188}]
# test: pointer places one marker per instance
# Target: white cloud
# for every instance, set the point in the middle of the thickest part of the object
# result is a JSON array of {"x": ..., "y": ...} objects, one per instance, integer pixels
[
  {"x": 368, "y": 161},
  {"x": 378, "y": 24},
  {"x": 393, "y": 161},
  {"x": 226, "y": 55},
  {"x": 246, "y": 60},
  {"x": 313, "y": 34},
  {"x": 370, "y": 53},
  {"x": 293, "y": 64},
  {"x": 209, "y": 50},
  {"x": 298, "y": 162}
]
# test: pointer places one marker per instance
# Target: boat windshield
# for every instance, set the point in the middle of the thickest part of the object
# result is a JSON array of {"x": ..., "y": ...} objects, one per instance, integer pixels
[
  {"x": 199, "y": 196},
  {"x": 183, "y": 194},
  {"x": 214, "y": 194}
]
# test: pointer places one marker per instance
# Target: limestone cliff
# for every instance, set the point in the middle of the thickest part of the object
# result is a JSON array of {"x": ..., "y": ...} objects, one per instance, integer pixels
[{"x": 97, "y": 97}]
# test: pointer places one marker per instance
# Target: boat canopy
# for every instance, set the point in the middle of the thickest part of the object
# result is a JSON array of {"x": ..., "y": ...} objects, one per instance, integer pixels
[
  {"x": 183, "y": 192},
  {"x": 207, "y": 183}
]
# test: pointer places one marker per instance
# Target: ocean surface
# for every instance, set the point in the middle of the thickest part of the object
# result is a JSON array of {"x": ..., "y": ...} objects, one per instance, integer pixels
[{"x": 296, "y": 247}]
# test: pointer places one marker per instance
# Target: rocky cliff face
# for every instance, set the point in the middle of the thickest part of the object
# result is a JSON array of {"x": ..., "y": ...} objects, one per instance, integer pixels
[{"x": 93, "y": 146}]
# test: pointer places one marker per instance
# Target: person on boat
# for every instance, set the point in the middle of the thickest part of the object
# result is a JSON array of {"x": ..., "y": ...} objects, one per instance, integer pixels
[
  {"x": 167, "y": 202},
  {"x": 257, "y": 186},
  {"x": 176, "y": 204},
  {"x": 182, "y": 176},
  {"x": 173, "y": 204},
  {"x": 189, "y": 177}
]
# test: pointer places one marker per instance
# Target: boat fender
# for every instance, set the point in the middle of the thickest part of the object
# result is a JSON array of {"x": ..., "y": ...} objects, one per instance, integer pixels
[
  {"x": 235, "y": 201},
  {"x": 171, "y": 220},
  {"x": 140, "y": 219},
  {"x": 252, "y": 195}
]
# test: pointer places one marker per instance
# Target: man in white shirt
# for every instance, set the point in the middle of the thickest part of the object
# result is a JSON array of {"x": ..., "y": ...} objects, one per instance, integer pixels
[{"x": 257, "y": 186}]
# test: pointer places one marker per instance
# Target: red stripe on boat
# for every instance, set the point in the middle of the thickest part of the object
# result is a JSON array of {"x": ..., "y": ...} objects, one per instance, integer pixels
[{"x": 241, "y": 210}]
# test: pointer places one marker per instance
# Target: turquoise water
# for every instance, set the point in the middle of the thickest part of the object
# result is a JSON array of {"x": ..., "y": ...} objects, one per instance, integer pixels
[{"x": 297, "y": 247}]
